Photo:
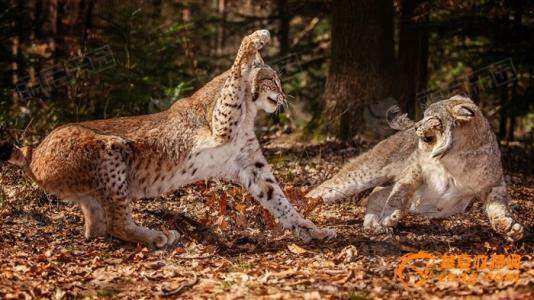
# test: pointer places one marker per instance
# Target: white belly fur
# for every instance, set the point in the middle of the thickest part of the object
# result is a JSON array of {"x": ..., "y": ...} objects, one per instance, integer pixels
[
  {"x": 441, "y": 195},
  {"x": 210, "y": 162}
]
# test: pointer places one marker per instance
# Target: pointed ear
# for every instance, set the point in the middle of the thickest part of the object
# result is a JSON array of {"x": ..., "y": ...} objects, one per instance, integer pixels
[
  {"x": 463, "y": 112},
  {"x": 397, "y": 120}
]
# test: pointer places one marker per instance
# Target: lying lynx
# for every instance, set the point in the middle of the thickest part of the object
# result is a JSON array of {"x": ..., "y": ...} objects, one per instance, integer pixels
[
  {"x": 103, "y": 164},
  {"x": 434, "y": 167}
]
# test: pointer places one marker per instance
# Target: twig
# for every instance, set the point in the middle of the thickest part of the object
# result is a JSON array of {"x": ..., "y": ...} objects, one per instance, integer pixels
[
  {"x": 181, "y": 288},
  {"x": 309, "y": 28},
  {"x": 195, "y": 257}
]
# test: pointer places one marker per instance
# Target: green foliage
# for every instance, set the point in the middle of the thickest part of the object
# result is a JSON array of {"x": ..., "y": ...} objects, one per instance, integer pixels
[
  {"x": 151, "y": 66},
  {"x": 150, "y": 61}
]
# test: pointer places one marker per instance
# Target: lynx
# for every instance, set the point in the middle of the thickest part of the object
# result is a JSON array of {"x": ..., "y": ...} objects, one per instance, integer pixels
[
  {"x": 104, "y": 164},
  {"x": 434, "y": 167}
]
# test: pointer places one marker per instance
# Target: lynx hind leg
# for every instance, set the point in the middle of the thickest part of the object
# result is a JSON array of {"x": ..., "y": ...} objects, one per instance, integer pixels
[
  {"x": 94, "y": 218},
  {"x": 122, "y": 225},
  {"x": 499, "y": 215},
  {"x": 114, "y": 190},
  {"x": 376, "y": 203}
]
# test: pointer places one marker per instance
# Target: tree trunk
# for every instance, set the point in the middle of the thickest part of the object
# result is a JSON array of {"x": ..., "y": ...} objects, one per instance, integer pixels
[
  {"x": 409, "y": 52},
  {"x": 360, "y": 64},
  {"x": 85, "y": 17},
  {"x": 284, "y": 19},
  {"x": 38, "y": 20},
  {"x": 54, "y": 39},
  {"x": 17, "y": 41},
  {"x": 59, "y": 35},
  {"x": 221, "y": 29},
  {"x": 422, "y": 67}
]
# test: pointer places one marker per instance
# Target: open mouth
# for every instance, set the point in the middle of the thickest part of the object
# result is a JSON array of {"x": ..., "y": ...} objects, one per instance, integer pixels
[{"x": 272, "y": 100}]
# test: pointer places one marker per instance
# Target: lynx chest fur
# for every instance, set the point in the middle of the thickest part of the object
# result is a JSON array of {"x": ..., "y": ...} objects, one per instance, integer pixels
[{"x": 440, "y": 193}]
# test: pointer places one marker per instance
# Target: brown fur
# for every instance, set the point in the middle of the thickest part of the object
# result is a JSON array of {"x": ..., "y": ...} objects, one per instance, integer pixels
[{"x": 434, "y": 167}]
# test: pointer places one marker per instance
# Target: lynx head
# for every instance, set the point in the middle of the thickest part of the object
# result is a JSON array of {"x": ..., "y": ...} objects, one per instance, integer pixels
[
  {"x": 266, "y": 89},
  {"x": 448, "y": 124}
]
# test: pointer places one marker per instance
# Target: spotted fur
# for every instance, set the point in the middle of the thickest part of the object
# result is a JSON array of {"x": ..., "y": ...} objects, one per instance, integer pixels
[
  {"x": 104, "y": 164},
  {"x": 229, "y": 105}
]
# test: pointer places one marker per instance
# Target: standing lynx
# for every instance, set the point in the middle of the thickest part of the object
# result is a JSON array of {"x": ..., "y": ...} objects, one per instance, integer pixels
[{"x": 103, "y": 164}]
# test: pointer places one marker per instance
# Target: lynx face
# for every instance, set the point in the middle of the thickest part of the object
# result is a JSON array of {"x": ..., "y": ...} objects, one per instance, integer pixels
[
  {"x": 441, "y": 128},
  {"x": 267, "y": 90}
]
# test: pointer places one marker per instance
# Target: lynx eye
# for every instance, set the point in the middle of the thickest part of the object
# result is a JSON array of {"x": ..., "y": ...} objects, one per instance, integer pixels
[{"x": 427, "y": 139}]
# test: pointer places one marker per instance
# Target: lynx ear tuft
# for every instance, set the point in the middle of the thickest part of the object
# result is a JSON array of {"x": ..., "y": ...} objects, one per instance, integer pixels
[{"x": 397, "y": 120}]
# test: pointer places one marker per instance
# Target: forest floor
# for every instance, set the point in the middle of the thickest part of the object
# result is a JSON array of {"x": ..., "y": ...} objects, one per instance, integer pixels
[{"x": 232, "y": 249}]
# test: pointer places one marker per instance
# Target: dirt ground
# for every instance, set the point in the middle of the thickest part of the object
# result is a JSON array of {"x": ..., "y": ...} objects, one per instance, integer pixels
[{"x": 232, "y": 249}]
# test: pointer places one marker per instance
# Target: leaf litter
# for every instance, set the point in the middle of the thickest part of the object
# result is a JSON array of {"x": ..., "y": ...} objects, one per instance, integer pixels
[{"x": 231, "y": 248}]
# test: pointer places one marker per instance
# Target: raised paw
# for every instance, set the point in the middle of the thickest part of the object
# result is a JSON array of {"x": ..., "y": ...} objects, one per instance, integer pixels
[
  {"x": 166, "y": 237},
  {"x": 260, "y": 38},
  {"x": 305, "y": 230},
  {"x": 506, "y": 226}
]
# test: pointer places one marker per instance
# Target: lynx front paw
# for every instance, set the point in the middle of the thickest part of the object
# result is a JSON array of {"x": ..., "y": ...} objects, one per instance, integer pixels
[
  {"x": 377, "y": 229},
  {"x": 516, "y": 233},
  {"x": 506, "y": 226},
  {"x": 393, "y": 219},
  {"x": 373, "y": 225},
  {"x": 305, "y": 230},
  {"x": 167, "y": 237},
  {"x": 318, "y": 192},
  {"x": 260, "y": 38}
]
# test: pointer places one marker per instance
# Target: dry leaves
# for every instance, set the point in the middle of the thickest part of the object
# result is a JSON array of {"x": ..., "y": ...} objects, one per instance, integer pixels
[
  {"x": 296, "y": 249},
  {"x": 232, "y": 248}
]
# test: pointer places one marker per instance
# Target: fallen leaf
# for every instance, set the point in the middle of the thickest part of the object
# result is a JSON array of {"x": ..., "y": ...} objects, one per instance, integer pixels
[{"x": 296, "y": 249}]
